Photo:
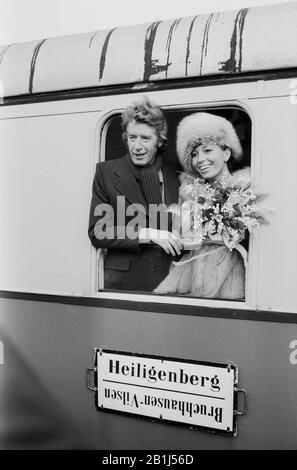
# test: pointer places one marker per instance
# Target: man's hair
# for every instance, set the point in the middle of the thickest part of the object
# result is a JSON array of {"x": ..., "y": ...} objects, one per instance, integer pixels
[{"x": 147, "y": 112}]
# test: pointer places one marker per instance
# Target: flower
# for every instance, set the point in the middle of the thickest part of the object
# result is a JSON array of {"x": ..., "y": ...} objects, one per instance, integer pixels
[{"x": 219, "y": 213}]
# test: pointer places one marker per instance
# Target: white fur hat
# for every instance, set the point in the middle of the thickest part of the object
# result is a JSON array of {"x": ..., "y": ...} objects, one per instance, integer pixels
[{"x": 204, "y": 128}]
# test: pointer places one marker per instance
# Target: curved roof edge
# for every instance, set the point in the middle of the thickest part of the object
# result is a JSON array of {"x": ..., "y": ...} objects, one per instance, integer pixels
[{"x": 232, "y": 42}]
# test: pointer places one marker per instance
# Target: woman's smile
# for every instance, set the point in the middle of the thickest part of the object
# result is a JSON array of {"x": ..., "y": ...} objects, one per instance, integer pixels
[
  {"x": 204, "y": 167},
  {"x": 210, "y": 161}
]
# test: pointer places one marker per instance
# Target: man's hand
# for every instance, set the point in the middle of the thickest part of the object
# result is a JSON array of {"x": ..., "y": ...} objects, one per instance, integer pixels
[{"x": 166, "y": 240}]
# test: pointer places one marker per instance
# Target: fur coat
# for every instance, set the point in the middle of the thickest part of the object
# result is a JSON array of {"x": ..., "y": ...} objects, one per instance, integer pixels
[{"x": 212, "y": 270}]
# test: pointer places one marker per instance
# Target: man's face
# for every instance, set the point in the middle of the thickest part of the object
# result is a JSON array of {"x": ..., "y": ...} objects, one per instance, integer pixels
[{"x": 142, "y": 143}]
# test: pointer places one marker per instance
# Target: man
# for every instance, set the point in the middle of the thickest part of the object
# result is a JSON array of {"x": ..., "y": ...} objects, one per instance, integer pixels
[{"x": 126, "y": 192}]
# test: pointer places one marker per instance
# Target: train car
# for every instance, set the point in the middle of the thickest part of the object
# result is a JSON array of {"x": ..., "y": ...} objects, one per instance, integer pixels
[{"x": 60, "y": 115}]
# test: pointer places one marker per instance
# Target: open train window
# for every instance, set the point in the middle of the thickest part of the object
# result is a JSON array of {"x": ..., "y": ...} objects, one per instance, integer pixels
[{"x": 187, "y": 272}]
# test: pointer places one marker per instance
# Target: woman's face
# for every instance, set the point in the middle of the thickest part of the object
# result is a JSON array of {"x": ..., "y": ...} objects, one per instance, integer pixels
[{"x": 210, "y": 161}]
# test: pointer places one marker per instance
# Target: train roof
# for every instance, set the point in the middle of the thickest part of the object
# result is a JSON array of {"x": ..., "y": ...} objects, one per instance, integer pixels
[{"x": 233, "y": 42}]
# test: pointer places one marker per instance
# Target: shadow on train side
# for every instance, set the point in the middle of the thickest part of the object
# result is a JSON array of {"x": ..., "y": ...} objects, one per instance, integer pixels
[{"x": 31, "y": 418}]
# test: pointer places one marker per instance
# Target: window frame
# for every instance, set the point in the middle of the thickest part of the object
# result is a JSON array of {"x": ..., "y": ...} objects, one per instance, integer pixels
[{"x": 251, "y": 271}]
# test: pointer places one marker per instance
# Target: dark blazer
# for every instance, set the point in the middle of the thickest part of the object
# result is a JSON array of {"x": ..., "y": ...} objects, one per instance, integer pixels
[{"x": 128, "y": 264}]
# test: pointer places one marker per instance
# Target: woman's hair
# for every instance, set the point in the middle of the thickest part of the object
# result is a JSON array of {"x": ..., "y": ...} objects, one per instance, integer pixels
[{"x": 147, "y": 112}]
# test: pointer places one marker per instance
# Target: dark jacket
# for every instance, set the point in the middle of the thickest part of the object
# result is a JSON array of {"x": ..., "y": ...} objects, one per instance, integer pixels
[{"x": 128, "y": 264}]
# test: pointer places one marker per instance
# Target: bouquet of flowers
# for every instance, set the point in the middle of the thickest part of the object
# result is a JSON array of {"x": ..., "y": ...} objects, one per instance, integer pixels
[{"x": 217, "y": 212}]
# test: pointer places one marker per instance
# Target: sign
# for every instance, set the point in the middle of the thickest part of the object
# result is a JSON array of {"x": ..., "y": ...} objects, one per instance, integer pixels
[{"x": 197, "y": 394}]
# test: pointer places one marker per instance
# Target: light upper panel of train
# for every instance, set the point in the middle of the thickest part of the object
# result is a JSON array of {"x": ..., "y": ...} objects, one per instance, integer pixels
[{"x": 201, "y": 354}]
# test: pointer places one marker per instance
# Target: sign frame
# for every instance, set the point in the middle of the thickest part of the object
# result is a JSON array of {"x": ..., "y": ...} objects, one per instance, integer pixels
[{"x": 95, "y": 372}]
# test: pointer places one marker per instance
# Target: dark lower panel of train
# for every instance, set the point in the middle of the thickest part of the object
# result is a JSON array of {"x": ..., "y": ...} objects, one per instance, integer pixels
[{"x": 47, "y": 347}]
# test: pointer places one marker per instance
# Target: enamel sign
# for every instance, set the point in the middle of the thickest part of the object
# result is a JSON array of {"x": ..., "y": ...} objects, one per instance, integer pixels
[{"x": 197, "y": 394}]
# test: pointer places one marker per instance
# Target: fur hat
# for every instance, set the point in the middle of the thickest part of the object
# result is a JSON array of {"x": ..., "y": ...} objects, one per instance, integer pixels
[{"x": 204, "y": 128}]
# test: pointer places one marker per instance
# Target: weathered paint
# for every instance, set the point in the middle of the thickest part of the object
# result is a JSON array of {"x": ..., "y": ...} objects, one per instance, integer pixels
[
  {"x": 235, "y": 62},
  {"x": 150, "y": 67},
  {"x": 229, "y": 42},
  {"x": 188, "y": 44},
  {"x": 168, "y": 45},
  {"x": 33, "y": 63},
  {"x": 205, "y": 40},
  {"x": 4, "y": 49},
  {"x": 103, "y": 54}
]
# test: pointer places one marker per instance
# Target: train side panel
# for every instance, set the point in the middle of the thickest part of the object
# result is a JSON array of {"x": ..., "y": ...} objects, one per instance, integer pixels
[{"x": 49, "y": 346}]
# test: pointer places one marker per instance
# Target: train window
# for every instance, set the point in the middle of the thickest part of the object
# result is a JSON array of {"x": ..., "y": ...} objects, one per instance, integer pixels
[{"x": 213, "y": 271}]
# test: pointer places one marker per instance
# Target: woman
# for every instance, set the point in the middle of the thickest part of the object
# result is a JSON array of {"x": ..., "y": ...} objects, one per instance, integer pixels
[{"x": 207, "y": 145}]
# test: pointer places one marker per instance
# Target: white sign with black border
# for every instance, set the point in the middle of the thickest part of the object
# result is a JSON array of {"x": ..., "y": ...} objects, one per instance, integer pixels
[{"x": 197, "y": 394}]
